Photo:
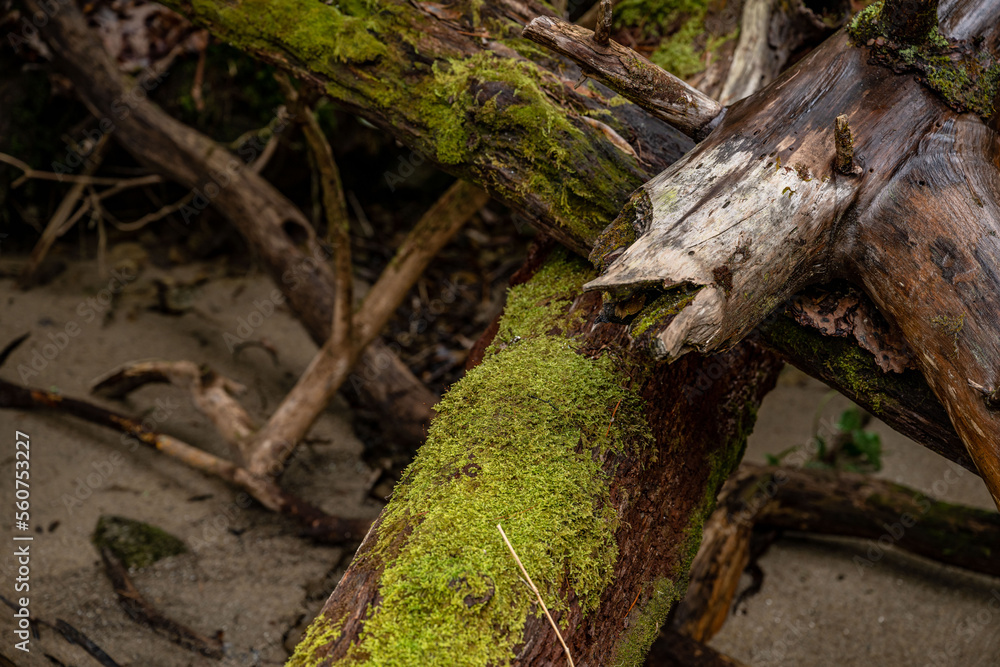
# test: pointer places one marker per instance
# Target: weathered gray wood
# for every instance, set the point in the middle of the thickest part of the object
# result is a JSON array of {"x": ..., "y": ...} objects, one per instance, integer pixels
[{"x": 758, "y": 211}]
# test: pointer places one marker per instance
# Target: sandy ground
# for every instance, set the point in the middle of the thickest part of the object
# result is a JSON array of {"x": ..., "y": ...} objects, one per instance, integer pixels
[
  {"x": 821, "y": 606},
  {"x": 249, "y": 576},
  {"x": 247, "y": 573}
]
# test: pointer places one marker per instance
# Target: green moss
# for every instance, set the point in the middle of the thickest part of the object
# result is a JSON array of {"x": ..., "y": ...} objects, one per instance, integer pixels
[
  {"x": 864, "y": 25},
  {"x": 484, "y": 115},
  {"x": 664, "y": 306},
  {"x": 623, "y": 230},
  {"x": 642, "y": 631},
  {"x": 966, "y": 78},
  {"x": 524, "y": 441},
  {"x": 851, "y": 366},
  {"x": 519, "y": 441},
  {"x": 681, "y": 24},
  {"x": 314, "y": 32},
  {"x": 529, "y": 111},
  {"x": 677, "y": 54},
  {"x": 539, "y": 305},
  {"x": 487, "y": 96},
  {"x": 655, "y": 18},
  {"x": 320, "y": 634},
  {"x": 134, "y": 543}
]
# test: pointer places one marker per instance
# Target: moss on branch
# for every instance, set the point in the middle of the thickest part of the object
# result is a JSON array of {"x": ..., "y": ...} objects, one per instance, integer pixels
[
  {"x": 966, "y": 78},
  {"x": 480, "y": 115}
]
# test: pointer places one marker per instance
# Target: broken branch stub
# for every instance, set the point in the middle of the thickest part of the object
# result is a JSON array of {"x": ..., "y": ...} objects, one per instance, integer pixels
[
  {"x": 628, "y": 73},
  {"x": 758, "y": 211}
]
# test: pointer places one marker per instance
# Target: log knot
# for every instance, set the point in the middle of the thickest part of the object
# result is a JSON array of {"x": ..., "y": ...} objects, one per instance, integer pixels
[
  {"x": 991, "y": 397},
  {"x": 844, "y": 141}
]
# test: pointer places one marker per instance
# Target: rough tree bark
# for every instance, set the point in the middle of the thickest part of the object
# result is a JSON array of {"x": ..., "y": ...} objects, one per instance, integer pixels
[
  {"x": 455, "y": 84},
  {"x": 596, "y": 461},
  {"x": 844, "y": 169}
]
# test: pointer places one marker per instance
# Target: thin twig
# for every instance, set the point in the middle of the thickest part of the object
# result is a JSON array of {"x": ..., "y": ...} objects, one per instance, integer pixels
[
  {"x": 330, "y": 367},
  {"x": 569, "y": 656},
  {"x": 212, "y": 395},
  {"x": 64, "y": 218},
  {"x": 317, "y": 524},
  {"x": 128, "y": 183},
  {"x": 142, "y": 611},
  {"x": 30, "y": 172},
  {"x": 155, "y": 215},
  {"x": 335, "y": 205},
  {"x": 199, "y": 78}
]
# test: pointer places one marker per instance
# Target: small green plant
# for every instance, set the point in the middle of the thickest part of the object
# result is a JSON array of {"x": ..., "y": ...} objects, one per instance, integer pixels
[{"x": 845, "y": 444}]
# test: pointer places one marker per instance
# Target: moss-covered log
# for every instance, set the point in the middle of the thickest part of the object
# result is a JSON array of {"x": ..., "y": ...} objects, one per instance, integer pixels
[
  {"x": 601, "y": 470},
  {"x": 460, "y": 85},
  {"x": 605, "y": 513}
]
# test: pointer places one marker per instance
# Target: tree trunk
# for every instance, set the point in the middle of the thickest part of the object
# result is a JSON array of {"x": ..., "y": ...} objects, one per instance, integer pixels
[
  {"x": 600, "y": 464},
  {"x": 843, "y": 170},
  {"x": 597, "y": 465},
  {"x": 566, "y": 156}
]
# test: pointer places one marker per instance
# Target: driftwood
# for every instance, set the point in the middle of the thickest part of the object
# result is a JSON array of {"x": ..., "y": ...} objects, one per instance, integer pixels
[
  {"x": 439, "y": 111},
  {"x": 142, "y": 611},
  {"x": 433, "y": 576},
  {"x": 826, "y": 502},
  {"x": 315, "y": 522},
  {"x": 838, "y": 187},
  {"x": 450, "y": 82},
  {"x": 432, "y": 580},
  {"x": 273, "y": 226}
]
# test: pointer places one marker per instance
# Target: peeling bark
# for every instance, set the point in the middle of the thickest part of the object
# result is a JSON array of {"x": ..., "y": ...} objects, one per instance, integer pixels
[
  {"x": 431, "y": 82},
  {"x": 758, "y": 211}
]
